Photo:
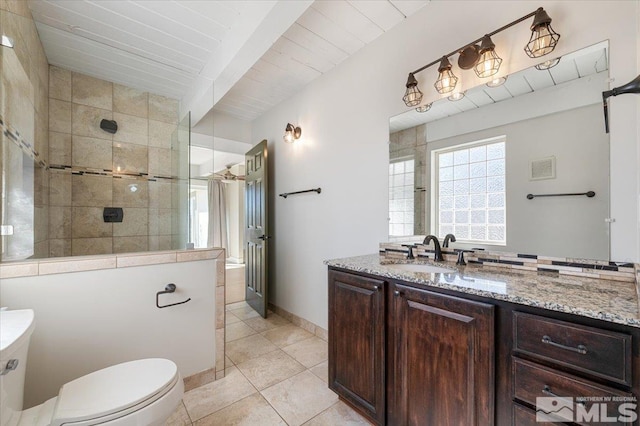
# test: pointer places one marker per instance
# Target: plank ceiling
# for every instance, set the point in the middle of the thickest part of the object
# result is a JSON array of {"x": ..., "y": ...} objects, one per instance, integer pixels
[
  {"x": 161, "y": 46},
  {"x": 325, "y": 35}
]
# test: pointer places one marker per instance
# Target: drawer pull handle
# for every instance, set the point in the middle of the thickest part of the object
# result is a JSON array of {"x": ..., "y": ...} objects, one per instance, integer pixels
[
  {"x": 547, "y": 391},
  {"x": 581, "y": 349}
]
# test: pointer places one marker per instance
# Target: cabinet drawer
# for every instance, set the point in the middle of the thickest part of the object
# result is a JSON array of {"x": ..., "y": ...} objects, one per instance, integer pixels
[
  {"x": 523, "y": 416},
  {"x": 602, "y": 353},
  {"x": 531, "y": 380}
]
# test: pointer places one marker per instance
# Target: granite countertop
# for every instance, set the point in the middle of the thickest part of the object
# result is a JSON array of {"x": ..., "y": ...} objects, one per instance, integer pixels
[{"x": 606, "y": 300}]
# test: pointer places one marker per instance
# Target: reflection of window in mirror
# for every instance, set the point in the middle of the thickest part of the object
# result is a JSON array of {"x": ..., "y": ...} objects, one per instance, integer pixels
[
  {"x": 401, "y": 190},
  {"x": 470, "y": 192}
]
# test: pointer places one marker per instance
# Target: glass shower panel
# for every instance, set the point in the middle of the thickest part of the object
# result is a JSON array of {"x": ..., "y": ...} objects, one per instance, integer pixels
[
  {"x": 18, "y": 155},
  {"x": 180, "y": 143}
]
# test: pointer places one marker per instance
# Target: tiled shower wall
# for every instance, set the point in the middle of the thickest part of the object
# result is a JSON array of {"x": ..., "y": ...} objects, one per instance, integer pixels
[
  {"x": 135, "y": 168},
  {"x": 412, "y": 143},
  {"x": 24, "y": 87}
]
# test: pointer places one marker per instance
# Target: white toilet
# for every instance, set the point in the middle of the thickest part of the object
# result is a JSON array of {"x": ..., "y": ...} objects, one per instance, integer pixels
[{"x": 136, "y": 393}]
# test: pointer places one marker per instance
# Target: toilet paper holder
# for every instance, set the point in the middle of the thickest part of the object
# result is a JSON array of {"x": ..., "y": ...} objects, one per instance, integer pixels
[{"x": 169, "y": 288}]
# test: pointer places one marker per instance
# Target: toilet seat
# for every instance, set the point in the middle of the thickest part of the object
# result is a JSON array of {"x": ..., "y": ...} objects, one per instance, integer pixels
[{"x": 114, "y": 392}]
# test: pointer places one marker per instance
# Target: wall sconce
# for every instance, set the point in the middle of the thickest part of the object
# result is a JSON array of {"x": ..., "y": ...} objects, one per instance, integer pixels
[
  {"x": 483, "y": 58},
  {"x": 292, "y": 133},
  {"x": 631, "y": 87}
]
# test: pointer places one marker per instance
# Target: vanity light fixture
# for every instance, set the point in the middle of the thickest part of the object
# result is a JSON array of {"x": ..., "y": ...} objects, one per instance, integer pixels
[
  {"x": 483, "y": 57},
  {"x": 425, "y": 107},
  {"x": 446, "y": 81},
  {"x": 413, "y": 95},
  {"x": 489, "y": 62},
  {"x": 543, "y": 38},
  {"x": 292, "y": 133}
]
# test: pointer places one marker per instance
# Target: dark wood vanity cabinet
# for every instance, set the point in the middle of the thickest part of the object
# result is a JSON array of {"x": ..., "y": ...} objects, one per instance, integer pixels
[
  {"x": 357, "y": 342},
  {"x": 407, "y": 356},
  {"x": 441, "y": 361}
]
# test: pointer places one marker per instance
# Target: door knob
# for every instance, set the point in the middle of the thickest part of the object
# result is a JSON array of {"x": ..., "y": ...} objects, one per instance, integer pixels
[{"x": 263, "y": 237}]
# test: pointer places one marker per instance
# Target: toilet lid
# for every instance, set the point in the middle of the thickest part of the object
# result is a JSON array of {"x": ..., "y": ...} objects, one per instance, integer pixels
[{"x": 114, "y": 389}]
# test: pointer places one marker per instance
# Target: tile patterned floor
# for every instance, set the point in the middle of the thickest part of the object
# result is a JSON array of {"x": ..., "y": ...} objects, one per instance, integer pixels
[{"x": 276, "y": 375}]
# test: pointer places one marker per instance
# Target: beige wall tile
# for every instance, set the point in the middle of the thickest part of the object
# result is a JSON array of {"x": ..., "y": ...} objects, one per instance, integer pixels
[
  {"x": 91, "y": 191},
  {"x": 91, "y": 91},
  {"x": 124, "y": 197},
  {"x": 41, "y": 136},
  {"x": 159, "y": 242},
  {"x": 131, "y": 129},
  {"x": 77, "y": 265},
  {"x": 41, "y": 96},
  {"x": 220, "y": 312},
  {"x": 130, "y": 101},
  {"x": 160, "y": 134},
  {"x": 135, "y": 222},
  {"x": 41, "y": 250},
  {"x": 93, "y": 153},
  {"x": 191, "y": 255},
  {"x": 59, "y": 116},
  {"x": 59, "y": 188},
  {"x": 59, "y": 83},
  {"x": 20, "y": 269},
  {"x": 86, "y": 121},
  {"x": 88, "y": 222},
  {"x": 60, "y": 222},
  {"x": 130, "y": 158},
  {"x": 87, "y": 246},
  {"x": 59, "y": 247},
  {"x": 19, "y": 7},
  {"x": 159, "y": 195},
  {"x": 130, "y": 244},
  {"x": 199, "y": 379},
  {"x": 40, "y": 186},
  {"x": 160, "y": 221},
  {"x": 162, "y": 108},
  {"x": 60, "y": 148},
  {"x": 159, "y": 161},
  {"x": 145, "y": 259},
  {"x": 40, "y": 223}
]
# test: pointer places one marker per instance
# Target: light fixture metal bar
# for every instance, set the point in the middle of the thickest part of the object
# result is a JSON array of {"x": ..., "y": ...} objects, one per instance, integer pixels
[{"x": 504, "y": 27}]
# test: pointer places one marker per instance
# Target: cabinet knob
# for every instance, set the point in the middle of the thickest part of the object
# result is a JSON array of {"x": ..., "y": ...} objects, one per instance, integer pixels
[
  {"x": 377, "y": 287},
  {"x": 397, "y": 293}
]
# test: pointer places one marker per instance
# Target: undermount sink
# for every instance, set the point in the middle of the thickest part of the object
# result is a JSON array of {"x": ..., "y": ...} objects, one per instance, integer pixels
[{"x": 414, "y": 267}]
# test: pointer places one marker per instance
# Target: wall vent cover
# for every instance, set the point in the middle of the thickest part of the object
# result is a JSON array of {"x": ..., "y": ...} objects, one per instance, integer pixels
[{"x": 542, "y": 168}]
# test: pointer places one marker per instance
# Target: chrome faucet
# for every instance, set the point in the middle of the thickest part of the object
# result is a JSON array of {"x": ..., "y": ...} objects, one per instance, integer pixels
[
  {"x": 436, "y": 244},
  {"x": 448, "y": 238}
]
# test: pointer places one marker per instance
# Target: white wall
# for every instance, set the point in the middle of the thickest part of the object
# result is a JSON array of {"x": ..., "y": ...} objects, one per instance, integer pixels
[
  {"x": 344, "y": 117},
  {"x": 90, "y": 320},
  {"x": 564, "y": 226}
]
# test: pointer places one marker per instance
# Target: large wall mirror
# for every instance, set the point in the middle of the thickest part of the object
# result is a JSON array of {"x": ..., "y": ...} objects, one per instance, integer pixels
[{"x": 466, "y": 167}]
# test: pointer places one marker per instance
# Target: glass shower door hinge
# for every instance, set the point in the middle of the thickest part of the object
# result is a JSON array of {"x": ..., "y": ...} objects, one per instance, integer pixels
[
  {"x": 609, "y": 220},
  {"x": 6, "y": 229}
]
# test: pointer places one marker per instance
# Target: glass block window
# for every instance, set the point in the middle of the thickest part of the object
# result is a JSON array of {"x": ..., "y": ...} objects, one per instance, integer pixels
[
  {"x": 471, "y": 201},
  {"x": 401, "y": 186}
]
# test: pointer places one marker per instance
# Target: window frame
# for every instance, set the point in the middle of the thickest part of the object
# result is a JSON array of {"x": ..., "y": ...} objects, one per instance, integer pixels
[
  {"x": 435, "y": 188},
  {"x": 391, "y": 162}
]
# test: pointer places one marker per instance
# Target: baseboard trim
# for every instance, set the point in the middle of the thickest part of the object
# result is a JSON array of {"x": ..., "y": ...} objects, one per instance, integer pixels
[
  {"x": 301, "y": 322},
  {"x": 202, "y": 378}
]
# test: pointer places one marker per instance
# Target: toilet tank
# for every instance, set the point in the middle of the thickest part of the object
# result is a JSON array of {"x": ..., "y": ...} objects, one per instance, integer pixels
[{"x": 16, "y": 328}]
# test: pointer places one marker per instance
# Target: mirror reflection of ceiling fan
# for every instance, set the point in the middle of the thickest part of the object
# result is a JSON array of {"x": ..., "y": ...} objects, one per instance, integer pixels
[{"x": 227, "y": 175}]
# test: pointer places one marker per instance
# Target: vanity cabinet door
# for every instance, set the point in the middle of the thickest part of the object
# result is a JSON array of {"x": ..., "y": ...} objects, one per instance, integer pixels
[
  {"x": 443, "y": 359},
  {"x": 357, "y": 342}
]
